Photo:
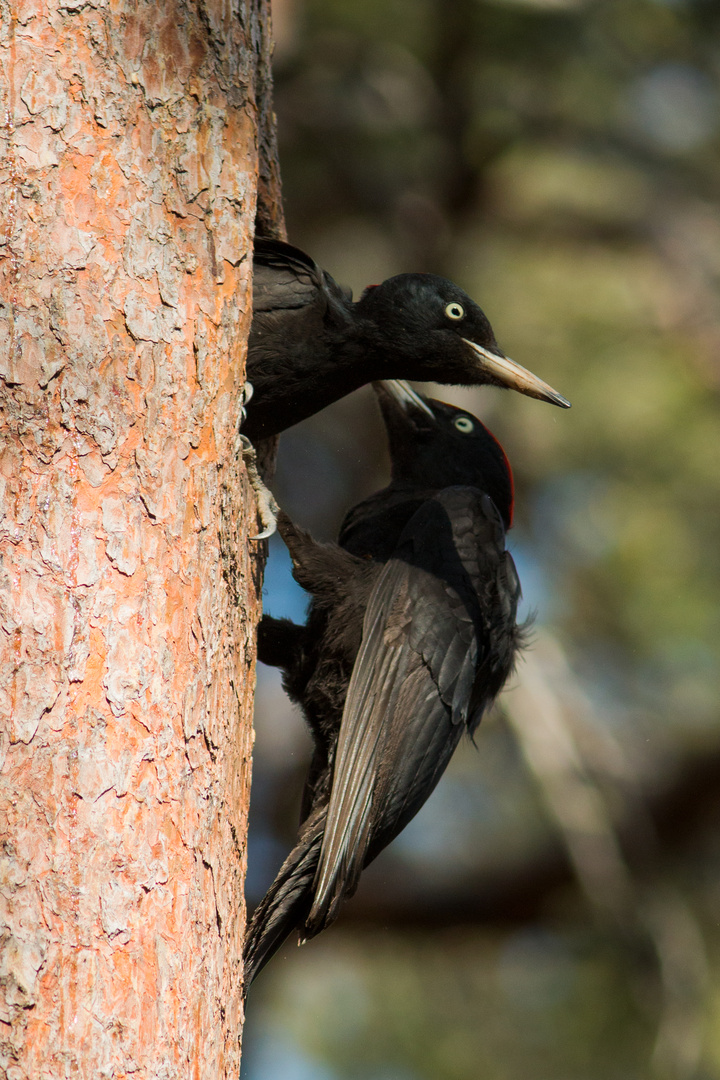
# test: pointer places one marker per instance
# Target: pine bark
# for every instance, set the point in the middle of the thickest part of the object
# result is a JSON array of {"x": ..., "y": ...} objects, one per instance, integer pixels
[{"x": 132, "y": 139}]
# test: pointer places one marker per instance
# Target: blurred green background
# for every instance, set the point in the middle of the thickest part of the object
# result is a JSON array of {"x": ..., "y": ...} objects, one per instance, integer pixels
[{"x": 554, "y": 911}]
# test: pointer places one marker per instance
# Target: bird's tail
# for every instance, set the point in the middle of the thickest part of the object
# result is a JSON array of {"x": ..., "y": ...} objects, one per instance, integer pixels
[{"x": 287, "y": 902}]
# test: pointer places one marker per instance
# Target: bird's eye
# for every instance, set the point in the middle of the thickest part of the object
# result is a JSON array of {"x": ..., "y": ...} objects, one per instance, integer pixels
[
  {"x": 464, "y": 424},
  {"x": 455, "y": 311}
]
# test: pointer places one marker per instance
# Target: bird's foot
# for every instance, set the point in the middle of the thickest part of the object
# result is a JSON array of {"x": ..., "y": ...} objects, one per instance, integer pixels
[
  {"x": 245, "y": 397},
  {"x": 266, "y": 506}
]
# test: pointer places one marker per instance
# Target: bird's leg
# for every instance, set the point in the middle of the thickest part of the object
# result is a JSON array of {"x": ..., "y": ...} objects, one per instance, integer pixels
[
  {"x": 278, "y": 641},
  {"x": 301, "y": 546},
  {"x": 322, "y": 569},
  {"x": 245, "y": 397},
  {"x": 267, "y": 508}
]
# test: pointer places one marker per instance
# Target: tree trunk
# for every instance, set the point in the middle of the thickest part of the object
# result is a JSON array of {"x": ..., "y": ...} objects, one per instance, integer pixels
[{"x": 128, "y": 591}]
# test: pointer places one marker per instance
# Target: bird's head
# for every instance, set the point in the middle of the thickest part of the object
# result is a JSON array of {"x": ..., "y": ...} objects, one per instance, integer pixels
[
  {"x": 434, "y": 445},
  {"x": 434, "y": 331}
]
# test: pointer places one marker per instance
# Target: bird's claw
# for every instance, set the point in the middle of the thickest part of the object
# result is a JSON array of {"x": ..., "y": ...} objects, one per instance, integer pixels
[
  {"x": 245, "y": 397},
  {"x": 267, "y": 508}
]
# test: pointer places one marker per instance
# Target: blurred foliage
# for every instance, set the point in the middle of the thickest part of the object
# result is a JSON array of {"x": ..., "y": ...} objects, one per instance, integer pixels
[{"x": 559, "y": 160}]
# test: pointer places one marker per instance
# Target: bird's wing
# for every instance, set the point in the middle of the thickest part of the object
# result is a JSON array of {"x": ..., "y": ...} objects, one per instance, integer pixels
[
  {"x": 371, "y": 528},
  {"x": 284, "y": 277},
  {"x": 434, "y": 620}
]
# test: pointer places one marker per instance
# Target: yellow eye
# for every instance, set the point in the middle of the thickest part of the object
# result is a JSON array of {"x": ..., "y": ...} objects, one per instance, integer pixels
[
  {"x": 464, "y": 424},
  {"x": 455, "y": 311}
]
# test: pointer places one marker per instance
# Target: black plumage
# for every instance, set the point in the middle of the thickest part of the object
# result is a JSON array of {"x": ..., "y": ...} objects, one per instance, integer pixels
[
  {"x": 310, "y": 344},
  {"x": 411, "y": 634}
]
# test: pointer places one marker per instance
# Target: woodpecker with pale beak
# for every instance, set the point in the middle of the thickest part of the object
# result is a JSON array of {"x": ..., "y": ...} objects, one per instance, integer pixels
[{"x": 310, "y": 344}]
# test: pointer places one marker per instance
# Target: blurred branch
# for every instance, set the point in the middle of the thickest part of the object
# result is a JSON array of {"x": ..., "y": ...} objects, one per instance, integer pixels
[
  {"x": 613, "y": 856},
  {"x": 518, "y": 891},
  {"x": 536, "y": 715},
  {"x": 537, "y": 712}
]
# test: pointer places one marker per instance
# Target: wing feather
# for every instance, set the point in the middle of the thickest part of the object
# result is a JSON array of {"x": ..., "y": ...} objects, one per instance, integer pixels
[
  {"x": 412, "y": 692},
  {"x": 284, "y": 277}
]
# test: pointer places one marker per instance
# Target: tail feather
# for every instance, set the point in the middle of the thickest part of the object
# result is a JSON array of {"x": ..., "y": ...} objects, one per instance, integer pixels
[{"x": 287, "y": 902}]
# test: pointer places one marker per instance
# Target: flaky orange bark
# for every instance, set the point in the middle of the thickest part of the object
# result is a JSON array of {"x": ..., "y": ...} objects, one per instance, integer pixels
[{"x": 128, "y": 591}]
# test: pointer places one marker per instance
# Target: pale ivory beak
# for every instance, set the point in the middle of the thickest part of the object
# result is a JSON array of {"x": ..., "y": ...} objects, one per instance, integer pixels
[
  {"x": 516, "y": 377},
  {"x": 405, "y": 395}
]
